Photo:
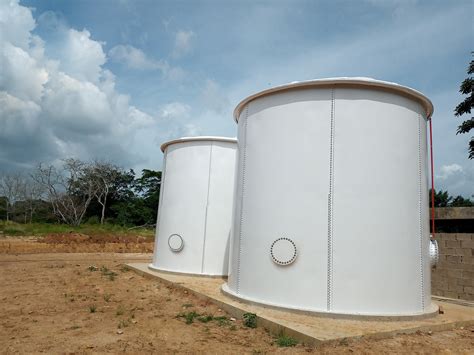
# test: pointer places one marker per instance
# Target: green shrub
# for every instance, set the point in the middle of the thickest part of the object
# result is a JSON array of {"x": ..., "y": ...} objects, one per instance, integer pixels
[
  {"x": 286, "y": 341},
  {"x": 250, "y": 320}
]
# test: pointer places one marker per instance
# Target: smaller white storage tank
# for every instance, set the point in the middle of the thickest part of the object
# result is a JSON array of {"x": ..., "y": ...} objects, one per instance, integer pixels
[{"x": 195, "y": 210}]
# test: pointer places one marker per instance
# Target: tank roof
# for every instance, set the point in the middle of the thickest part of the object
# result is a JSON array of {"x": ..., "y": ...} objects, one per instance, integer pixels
[
  {"x": 342, "y": 81},
  {"x": 196, "y": 139}
]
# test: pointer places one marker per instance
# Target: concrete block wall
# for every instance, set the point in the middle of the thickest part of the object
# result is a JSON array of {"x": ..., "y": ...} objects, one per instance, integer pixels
[{"x": 454, "y": 275}]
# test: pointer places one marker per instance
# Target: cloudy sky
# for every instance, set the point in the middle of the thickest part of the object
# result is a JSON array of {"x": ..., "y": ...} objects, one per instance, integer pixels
[{"x": 113, "y": 79}]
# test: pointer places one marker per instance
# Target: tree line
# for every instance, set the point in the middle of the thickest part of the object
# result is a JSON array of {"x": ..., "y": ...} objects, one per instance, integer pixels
[{"x": 77, "y": 191}]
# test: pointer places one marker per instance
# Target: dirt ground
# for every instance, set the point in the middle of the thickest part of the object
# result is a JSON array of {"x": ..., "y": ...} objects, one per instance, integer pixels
[
  {"x": 89, "y": 303},
  {"x": 75, "y": 243}
]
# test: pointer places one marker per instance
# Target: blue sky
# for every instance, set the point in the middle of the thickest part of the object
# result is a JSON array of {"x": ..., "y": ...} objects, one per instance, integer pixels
[{"x": 114, "y": 79}]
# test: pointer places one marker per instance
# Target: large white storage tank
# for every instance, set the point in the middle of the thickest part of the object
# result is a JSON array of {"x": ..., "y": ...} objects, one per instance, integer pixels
[
  {"x": 195, "y": 209},
  {"x": 331, "y": 204}
]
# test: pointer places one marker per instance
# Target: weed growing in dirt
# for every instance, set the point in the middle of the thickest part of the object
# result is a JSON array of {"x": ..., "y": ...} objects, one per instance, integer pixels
[
  {"x": 286, "y": 341},
  {"x": 222, "y": 320},
  {"x": 188, "y": 305},
  {"x": 205, "y": 319},
  {"x": 107, "y": 297},
  {"x": 92, "y": 268},
  {"x": 123, "y": 323},
  {"x": 120, "y": 310},
  {"x": 92, "y": 308},
  {"x": 188, "y": 316},
  {"x": 124, "y": 268},
  {"x": 250, "y": 320},
  {"x": 108, "y": 273}
]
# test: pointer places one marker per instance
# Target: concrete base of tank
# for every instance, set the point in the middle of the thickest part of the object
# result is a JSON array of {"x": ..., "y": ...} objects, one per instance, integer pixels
[
  {"x": 308, "y": 328},
  {"x": 154, "y": 268}
]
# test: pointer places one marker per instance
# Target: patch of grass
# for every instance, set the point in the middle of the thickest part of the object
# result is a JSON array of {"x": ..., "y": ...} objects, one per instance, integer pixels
[
  {"x": 40, "y": 229},
  {"x": 286, "y": 341},
  {"x": 107, "y": 297},
  {"x": 189, "y": 316},
  {"x": 120, "y": 310},
  {"x": 123, "y": 323},
  {"x": 92, "y": 308},
  {"x": 250, "y": 320},
  {"x": 222, "y": 320},
  {"x": 108, "y": 273},
  {"x": 205, "y": 319}
]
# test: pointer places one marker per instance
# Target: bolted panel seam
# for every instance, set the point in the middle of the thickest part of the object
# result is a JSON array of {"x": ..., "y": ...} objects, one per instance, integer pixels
[
  {"x": 244, "y": 159},
  {"x": 331, "y": 202},
  {"x": 207, "y": 207}
]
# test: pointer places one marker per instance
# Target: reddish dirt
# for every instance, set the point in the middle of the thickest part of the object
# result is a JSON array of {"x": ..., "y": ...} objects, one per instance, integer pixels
[
  {"x": 76, "y": 243},
  {"x": 68, "y": 303}
]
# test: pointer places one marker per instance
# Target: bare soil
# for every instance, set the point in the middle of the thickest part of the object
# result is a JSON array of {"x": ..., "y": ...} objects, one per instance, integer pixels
[
  {"x": 89, "y": 303},
  {"x": 76, "y": 243}
]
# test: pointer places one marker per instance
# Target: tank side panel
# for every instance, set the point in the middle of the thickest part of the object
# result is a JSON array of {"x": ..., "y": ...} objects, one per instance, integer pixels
[
  {"x": 234, "y": 245},
  {"x": 160, "y": 208},
  {"x": 376, "y": 205},
  {"x": 184, "y": 206},
  {"x": 219, "y": 208},
  {"x": 286, "y": 191},
  {"x": 425, "y": 212}
]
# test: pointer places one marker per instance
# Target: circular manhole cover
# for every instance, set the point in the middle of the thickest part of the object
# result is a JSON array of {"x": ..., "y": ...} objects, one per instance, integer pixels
[
  {"x": 283, "y": 251},
  {"x": 175, "y": 242}
]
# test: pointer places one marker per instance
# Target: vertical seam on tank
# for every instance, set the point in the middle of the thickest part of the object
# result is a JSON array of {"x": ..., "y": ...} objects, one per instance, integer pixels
[
  {"x": 244, "y": 159},
  {"x": 330, "y": 202},
  {"x": 207, "y": 205},
  {"x": 162, "y": 192},
  {"x": 420, "y": 220}
]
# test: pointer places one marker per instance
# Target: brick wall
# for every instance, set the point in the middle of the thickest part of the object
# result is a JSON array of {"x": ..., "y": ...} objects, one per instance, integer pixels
[{"x": 454, "y": 275}]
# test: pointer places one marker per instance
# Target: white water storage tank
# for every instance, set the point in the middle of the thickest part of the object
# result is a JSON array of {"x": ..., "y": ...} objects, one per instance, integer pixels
[
  {"x": 331, "y": 204},
  {"x": 195, "y": 209}
]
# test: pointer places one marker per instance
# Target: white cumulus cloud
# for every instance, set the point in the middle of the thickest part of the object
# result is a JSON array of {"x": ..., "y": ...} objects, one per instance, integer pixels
[
  {"x": 183, "y": 43},
  {"x": 56, "y": 99}
]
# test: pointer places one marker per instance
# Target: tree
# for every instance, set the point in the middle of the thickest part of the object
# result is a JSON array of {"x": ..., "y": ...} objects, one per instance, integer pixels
[
  {"x": 465, "y": 107},
  {"x": 11, "y": 186},
  {"x": 70, "y": 190},
  {"x": 105, "y": 176}
]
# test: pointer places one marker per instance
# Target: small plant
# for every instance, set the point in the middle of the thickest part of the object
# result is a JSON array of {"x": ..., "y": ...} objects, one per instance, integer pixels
[
  {"x": 107, "y": 297},
  {"x": 123, "y": 324},
  {"x": 120, "y": 311},
  {"x": 222, "y": 320},
  {"x": 92, "y": 268},
  {"x": 233, "y": 327},
  {"x": 205, "y": 319},
  {"x": 92, "y": 308},
  {"x": 188, "y": 305},
  {"x": 188, "y": 316},
  {"x": 250, "y": 320},
  {"x": 286, "y": 341},
  {"x": 124, "y": 268}
]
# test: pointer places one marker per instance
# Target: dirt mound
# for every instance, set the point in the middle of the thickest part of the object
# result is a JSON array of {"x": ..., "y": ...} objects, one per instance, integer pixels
[{"x": 79, "y": 238}]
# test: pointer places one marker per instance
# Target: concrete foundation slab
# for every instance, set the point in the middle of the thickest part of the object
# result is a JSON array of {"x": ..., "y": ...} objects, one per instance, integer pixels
[{"x": 306, "y": 328}]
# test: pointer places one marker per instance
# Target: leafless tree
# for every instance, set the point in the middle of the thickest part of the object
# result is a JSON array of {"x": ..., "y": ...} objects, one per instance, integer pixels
[
  {"x": 32, "y": 192},
  {"x": 104, "y": 175},
  {"x": 70, "y": 189},
  {"x": 11, "y": 186}
]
